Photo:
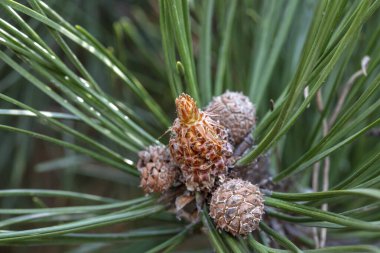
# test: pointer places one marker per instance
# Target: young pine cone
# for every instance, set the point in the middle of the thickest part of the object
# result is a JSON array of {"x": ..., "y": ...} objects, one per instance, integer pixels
[
  {"x": 198, "y": 145},
  {"x": 237, "y": 207},
  {"x": 157, "y": 173},
  {"x": 234, "y": 111}
]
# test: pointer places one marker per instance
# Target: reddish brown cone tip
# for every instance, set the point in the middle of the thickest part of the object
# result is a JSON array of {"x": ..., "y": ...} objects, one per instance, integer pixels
[{"x": 187, "y": 109}]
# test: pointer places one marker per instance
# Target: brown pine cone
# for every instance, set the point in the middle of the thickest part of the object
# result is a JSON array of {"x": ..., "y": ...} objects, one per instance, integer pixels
[
  {"x": 157, "y": 172},
  {"x": 234, "y": 111},
  {"x": 198, "y": 145},
  {"x": 237, "y": 207}
]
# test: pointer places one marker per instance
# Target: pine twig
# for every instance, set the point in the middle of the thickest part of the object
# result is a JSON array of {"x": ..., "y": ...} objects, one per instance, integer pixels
[
  {"x": 327, "y": 123},
  {"x": 347, "y": 87}
]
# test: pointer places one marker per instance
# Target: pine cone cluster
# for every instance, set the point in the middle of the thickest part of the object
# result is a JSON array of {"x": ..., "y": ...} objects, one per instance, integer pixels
[
  {"x": 157, "y": 172},
  {"x": 199, "y": 158},
  {"x": 237, "y": 207}
]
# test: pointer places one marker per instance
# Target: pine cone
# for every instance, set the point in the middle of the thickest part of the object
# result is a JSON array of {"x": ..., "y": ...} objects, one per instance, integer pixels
[
  {"x": 237, "y": 207},
  {"x": 157, "y": 173},
  {"x": 199, "y": 145},
  {"x": 234, "y": 111}
]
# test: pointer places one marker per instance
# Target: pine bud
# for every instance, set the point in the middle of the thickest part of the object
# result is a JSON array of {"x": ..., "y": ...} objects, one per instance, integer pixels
[
  {"x": 234, "y": 111},
  {"x": 198, "y": 145},
  {"x": 157, "y": 173},
  {"x": 237, "y": 207}
]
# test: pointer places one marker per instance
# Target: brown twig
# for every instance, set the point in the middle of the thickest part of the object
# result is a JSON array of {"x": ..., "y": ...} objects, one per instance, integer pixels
[
  {"x": 244, "y": 145},
  {"x": 347, "y": 87},
  {"x": 326, "y": 167},
  {"x": 315, "y": 237},
  {"x": 327, "y": 123},
  {"x": 326, "y": 174},
  {"x": 315, "y": 179}
]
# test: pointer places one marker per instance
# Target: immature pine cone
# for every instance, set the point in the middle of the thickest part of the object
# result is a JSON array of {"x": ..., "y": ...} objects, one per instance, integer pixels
[
  {"x": 237, "y": 207},
  {"x": 234, "y": 111},
  {"x": 157, "y": 173},
  {"x": 198, "y": 145}
]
